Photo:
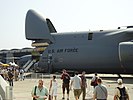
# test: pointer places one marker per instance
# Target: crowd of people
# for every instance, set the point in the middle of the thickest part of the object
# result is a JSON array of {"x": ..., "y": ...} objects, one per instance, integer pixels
[
  {"x": 79, "y": 84},
  {"x": 12, "y": 73}
]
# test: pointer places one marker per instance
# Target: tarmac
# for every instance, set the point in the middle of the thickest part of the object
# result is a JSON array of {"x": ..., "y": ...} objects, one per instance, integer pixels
[{"x": 22, "y": 89}]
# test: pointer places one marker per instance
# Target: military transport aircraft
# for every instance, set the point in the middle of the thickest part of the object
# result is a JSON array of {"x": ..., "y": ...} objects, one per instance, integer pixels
[{"x": 103, "y": 51}]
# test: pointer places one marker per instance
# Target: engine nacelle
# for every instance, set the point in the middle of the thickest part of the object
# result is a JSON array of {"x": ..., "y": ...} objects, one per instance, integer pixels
[{"x": 126, "y": 55}]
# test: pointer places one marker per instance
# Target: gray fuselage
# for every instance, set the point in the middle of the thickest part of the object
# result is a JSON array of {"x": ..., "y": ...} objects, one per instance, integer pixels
[{"x": 96, "y": 51}]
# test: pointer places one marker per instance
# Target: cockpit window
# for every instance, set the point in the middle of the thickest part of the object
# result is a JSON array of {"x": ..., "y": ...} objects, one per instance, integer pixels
[{"x": 90, "y": 35}]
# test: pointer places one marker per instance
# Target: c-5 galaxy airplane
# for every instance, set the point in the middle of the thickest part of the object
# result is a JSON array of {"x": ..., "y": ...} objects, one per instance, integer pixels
[{"x": 109, "y": 51}]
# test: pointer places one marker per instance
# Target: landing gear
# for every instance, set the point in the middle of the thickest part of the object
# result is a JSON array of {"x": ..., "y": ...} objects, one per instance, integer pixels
[
  {"x": 49, "y": 63},
  {"x": 50, "y": 68}
]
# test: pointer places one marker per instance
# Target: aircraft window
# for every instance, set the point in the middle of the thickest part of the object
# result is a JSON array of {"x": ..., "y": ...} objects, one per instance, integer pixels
[{"x": 90, "y": 35}]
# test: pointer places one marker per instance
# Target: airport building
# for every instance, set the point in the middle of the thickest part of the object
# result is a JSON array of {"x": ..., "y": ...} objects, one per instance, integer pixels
[{"x": 13, "y": 55}]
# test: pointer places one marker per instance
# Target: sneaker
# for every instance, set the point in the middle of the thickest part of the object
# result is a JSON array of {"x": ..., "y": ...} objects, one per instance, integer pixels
[
  {"x": 67, "y": 98},
  {"x": 63, "y": 98}
]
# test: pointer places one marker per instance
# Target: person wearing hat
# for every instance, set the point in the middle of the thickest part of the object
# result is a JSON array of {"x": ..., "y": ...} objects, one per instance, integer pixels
[{"x": 121, "y": 92}]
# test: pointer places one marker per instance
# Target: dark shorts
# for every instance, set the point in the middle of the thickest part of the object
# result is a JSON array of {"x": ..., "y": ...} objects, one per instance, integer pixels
[{"x": 65, "y": 86}]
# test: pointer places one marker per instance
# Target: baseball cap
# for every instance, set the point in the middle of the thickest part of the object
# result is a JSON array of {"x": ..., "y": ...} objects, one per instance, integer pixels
[{"x": 119, "y": 81}]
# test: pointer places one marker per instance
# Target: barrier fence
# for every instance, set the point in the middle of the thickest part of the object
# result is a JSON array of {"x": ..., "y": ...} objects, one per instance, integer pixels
[{"x": 6, "y": 91}]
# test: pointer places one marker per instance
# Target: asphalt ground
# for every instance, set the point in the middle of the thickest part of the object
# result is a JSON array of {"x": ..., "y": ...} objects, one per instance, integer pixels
[{"x": 22, "y": 89}]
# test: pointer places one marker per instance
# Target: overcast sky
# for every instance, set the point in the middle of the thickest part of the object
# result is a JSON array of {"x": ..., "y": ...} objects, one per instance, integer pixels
[{"x": 66, "y": 15}]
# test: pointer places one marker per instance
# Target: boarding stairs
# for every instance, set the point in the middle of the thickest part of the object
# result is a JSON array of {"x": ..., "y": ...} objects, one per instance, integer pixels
[{"x": 28, "y": 65}]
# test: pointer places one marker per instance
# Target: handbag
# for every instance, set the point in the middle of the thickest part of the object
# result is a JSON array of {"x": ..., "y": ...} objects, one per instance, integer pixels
[
  {"x": 94, "y": 83},
  {"x": 35, "y": 92}
]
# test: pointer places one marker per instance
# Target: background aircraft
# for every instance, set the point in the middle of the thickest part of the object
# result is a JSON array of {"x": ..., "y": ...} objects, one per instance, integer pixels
[{"x": 102, "y": 51}]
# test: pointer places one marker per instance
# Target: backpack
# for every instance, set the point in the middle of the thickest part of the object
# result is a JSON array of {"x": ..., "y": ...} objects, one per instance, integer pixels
[
  {"x": 66, "y": 79},
  {"x": 94, "y": 83},
  {"x": 123, "y": 94}
]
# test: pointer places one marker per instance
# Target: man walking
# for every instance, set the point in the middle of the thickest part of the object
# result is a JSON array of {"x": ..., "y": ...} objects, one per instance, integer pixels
[
  {"x": 66, "y": 80},
  {"x": 100, "y": 91},
  {"x": 39, "y": 92},
  {"x": 76, "y": 82},
  {"x": 10, "y": 77},
  {"x": 121, "y": 92},
  {"x": 84, "y": 84}
]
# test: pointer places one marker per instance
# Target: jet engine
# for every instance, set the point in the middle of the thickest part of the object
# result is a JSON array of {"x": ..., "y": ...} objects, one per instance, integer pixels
[{"x": 126, "y": 56}]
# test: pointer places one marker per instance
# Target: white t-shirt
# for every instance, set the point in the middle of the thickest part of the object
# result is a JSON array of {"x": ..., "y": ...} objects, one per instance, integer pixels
[{"x": 76, "y": 82}]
